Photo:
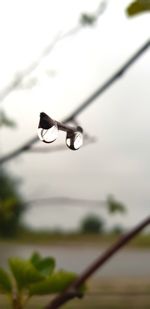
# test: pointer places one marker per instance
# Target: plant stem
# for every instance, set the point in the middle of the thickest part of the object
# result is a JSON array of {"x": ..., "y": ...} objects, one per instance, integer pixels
[{"x": 16, "y": 301}]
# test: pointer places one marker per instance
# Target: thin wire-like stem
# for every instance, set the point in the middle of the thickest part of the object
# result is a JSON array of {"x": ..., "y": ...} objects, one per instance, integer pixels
[
  {"x": 18, "y": 79},
  {"x": 64, "y": 201},
  {"x": 87, "y": 141},
  {"x": 65, "y": 127},
  {"x": 73, "y": 289},
  {"x": 119, "y": 73},
  {"x": 47, "y": 122}
]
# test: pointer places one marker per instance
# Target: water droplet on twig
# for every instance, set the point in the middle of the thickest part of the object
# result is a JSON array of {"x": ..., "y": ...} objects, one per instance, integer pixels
[
  {"x": 74, "y": 140},
  {"x": 48, "y": 135}
]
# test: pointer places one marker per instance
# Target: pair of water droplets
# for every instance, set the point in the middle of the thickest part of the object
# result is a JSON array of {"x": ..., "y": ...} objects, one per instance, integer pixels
[{"x": 74, "y": 139}]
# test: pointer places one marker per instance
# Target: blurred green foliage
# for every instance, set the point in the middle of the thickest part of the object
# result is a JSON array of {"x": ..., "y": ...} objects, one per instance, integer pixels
[
  {"x": 5, "y": 121},
  {"x": 11, "y": 205},
  {"x": 117, "y": 230},
  {"x": 114, "y": 206},
  {"x": 138, "y": 7},
  {"x": 33, "y": 276},
  {"x": 92, "y": 224},
  {"x": 10, "y": 201},
  {"x": 87, "y": 19}
]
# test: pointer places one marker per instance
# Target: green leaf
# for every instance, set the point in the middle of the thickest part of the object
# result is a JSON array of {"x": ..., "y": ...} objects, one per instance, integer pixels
[
  {"x": 5, "y": 282},
  {"x": 35, "y": 258},
  {"x": 87, "y": 19},
  {"x": 137, "y": 7},
  {"x": 114, "y": 206},
  {"x": 43, "y": 265},
  {"x": 56, "y": 283},
  {"x": 24, "y": 272},
  {"x": 46, "y": 266},
  {"x": 5, "y": 121}
]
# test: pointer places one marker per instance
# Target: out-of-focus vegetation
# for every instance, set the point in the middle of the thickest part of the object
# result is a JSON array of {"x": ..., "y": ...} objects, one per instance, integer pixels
[
  {"x": 138, "y": 7},
  {"x": 91, "y": 229},
  {"x": 11, "y": 202},
  {"x": 36, "y": 276},
  {"x": 102, "y": 293},
  {"x": 92, "y": 224},
  {"x": 5, "y": 121},
  {"x": 11, "y": 205},
  {"x": 32, "y": 277},
  {"x": 114, "y": 206},
  {"x": 27, "y": 236}
]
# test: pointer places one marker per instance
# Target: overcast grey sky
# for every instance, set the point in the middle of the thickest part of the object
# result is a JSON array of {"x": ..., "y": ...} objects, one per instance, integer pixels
[{"x": 118, "y": 162}]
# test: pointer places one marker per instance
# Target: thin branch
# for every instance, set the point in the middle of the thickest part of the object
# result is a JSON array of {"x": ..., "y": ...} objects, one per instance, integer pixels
[
  {"x": 71, "y": 292},
  {"x": 110, "y": 204},
  {"x": 19, "y": 150},
  {"x": 20, "y": 76},
  {"x": 118, "y": 74},
  {"x": 64, "y": 201},
  {"x": 101, "y": 8},
  {"x": 27, "y": 147},
  {"x": 87, "y": 141}
]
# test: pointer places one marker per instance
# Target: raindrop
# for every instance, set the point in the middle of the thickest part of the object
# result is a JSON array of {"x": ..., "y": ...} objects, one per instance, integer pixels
[
  {"x": 74, "y": 140},
  {"x": 48, "y": 135},
  {"x": 47, "y": 129}
]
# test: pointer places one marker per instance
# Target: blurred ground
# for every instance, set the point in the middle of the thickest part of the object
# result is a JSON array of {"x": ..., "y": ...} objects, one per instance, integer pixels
[
  {"x": 123, "y": 283},
  {"x": 107, "y": 293},
  {"x": 129, "y": 262}
]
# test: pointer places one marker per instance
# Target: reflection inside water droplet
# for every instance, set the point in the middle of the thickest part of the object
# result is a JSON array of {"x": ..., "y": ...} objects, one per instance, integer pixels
[
  {"x": 48, "y": 135},
  {"x": 74, "y": 141}
]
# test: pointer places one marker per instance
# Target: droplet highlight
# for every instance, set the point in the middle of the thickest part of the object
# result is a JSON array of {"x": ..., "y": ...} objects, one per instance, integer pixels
[
  {"x": 74, "y": 140},
  {"x": 48, "y": 135}
]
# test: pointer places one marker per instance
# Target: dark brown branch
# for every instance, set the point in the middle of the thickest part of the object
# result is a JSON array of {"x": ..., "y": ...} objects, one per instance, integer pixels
[
  {"x": 61, "y": 299},
  {"x": 46, "y": 122},
  {"x": 119, "y": 73}
]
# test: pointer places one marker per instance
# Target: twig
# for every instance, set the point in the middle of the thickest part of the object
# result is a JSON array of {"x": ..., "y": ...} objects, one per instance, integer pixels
[
  {"x": 118, "y": 74},
  {"x": 98, "y": 263},
  {"x": 87, "y": 141},
  {"x": 20, "y": 76},
  {"x": 64, "y": 201}
]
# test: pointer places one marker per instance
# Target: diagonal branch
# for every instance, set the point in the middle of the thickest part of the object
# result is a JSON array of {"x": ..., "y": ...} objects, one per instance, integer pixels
[
  {"x": 20, "y": 76},
  {"x": 73, "y": 290},
  {"x": 87, "y": 140},
  {"x": 118, "y": 74},
  {"x": 28, "y": 147}
]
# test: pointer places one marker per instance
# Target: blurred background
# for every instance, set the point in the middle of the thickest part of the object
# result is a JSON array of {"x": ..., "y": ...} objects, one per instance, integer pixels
[{"x": 53, "y": 56}]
